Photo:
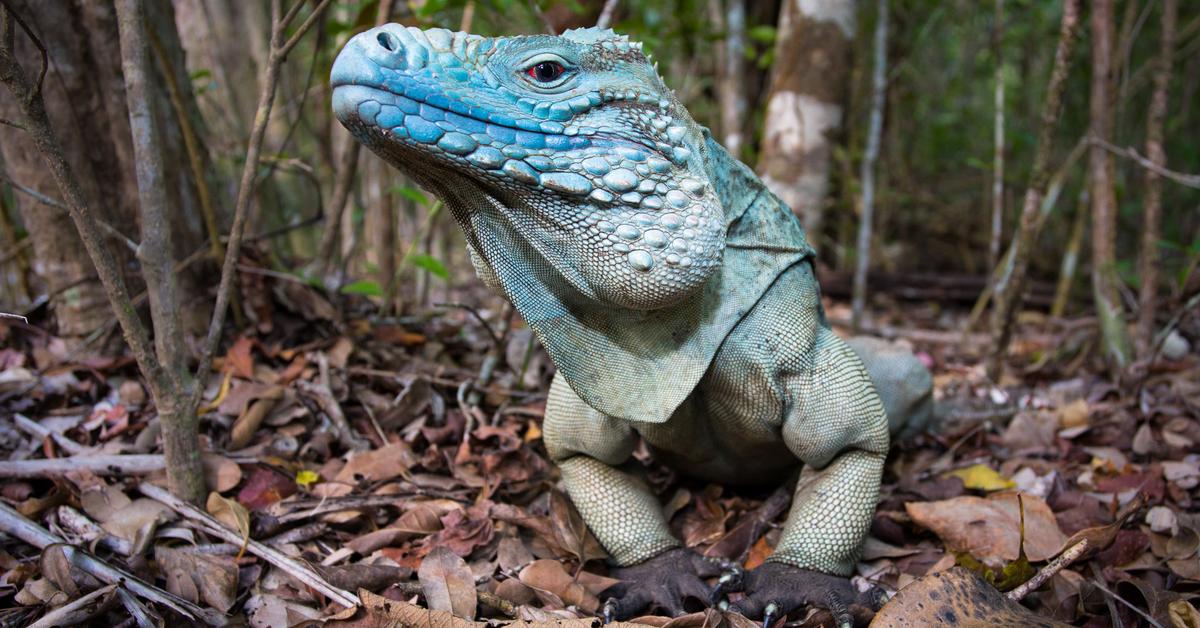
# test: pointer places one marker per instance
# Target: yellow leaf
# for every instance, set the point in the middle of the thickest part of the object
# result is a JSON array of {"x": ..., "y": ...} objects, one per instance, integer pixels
[
  {"x": 982, "y": 478},
  {"x": 306, "y": 478}
]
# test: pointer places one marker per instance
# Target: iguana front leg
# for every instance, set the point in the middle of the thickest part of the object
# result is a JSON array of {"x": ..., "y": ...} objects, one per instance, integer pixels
[
  {"x": 620, "y": 510},
  {"x": 836, "y": 426}
]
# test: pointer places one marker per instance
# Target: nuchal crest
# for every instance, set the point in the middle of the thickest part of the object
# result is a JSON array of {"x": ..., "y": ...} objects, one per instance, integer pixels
[{"x": 573, "y": 141}]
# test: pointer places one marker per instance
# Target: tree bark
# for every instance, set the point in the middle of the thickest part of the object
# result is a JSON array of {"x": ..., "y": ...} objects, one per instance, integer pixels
[
  {"x": 806, "y": 104},
  {"x": 1011, "y": 281},
  {"x": 1148, "y": 260},
  {"x": 1105, "y": 281},
  {"x": 998, "y": 141},
  {"x": 85, "y": 100},
  {"x": 85, "y": 103},
  {"x": 181, "y": 444},
  {"x": 878, "y": 97}
]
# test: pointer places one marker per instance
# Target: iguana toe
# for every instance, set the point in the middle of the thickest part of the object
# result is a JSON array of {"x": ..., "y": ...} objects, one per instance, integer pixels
[{"x": 774, "y": 590}]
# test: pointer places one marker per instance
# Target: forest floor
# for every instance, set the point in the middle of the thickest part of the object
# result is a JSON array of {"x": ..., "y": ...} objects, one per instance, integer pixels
[{"x": 361, "y": 449}]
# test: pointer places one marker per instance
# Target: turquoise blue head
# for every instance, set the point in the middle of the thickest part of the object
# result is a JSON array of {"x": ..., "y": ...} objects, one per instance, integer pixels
[{"x": 574, "y": 141}]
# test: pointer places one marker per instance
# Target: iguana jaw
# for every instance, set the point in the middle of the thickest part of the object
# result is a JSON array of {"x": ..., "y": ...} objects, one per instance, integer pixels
[{"x": 601, "y": 179}]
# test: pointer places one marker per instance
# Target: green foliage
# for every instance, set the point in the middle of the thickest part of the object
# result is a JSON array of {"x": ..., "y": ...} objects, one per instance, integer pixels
[
  {"x": 363, "y": 287},
  {"x": 411, "y": 193},
  {"x": 432, "y": 265}
]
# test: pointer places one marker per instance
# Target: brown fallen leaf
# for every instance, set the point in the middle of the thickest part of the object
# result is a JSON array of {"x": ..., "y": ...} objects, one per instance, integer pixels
[
  {"x": 199, "y": 577},
  {"x": 388, "y": 612},
  {"x": 220, "y": 473},
  {"x": 989, "y": 528},
  {"x": 549, "y": 576},
  {"x": 448, "y": 583},
  {"x": 385, "y": 463},
  {"x": 956, "y": 597}
]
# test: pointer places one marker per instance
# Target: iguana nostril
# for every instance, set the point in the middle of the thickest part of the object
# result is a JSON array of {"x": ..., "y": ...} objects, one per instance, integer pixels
[{"x": 388, "y": 41}]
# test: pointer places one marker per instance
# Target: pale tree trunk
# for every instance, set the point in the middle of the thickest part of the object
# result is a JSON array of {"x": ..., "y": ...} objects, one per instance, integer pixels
[
  {"x": 1114, "y": 337},
  {"x": 730, "y": 19},
  {"x": 998, "y": 141},
  {"x": 1148, "y": 260},
  {"x": 878, "y": 98},
  {"x": 806, "y": 104}
]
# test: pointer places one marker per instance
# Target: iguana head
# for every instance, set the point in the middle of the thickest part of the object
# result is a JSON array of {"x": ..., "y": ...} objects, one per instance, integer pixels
[{"x": 571, "y": 145}]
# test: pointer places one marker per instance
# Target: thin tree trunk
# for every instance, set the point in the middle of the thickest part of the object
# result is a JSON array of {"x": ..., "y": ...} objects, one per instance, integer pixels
[
  {"x": 806, "y": 105},
  {"x": 998, "y": 140},
  {"x": 878, "y": 97},
  {"x": 1009, "y": 285},
  {"x": 181, "y": 445},
  {"x": 730, "y": 52},
  {"x": 1109, "y": 310},
  {"x": 1070, "y": 260},
  {"x": 347, "y": 167},
  {"x": 1148, "y": 260}
]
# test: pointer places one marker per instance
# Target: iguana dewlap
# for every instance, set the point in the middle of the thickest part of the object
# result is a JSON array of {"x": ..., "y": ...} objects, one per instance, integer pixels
[{"x": 673, "y": 291}]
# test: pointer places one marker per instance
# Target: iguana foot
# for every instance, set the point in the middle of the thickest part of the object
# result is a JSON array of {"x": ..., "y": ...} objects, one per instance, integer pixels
[
  {"x": 773, "y": 590},
  {"x": 662, "y": 582}
]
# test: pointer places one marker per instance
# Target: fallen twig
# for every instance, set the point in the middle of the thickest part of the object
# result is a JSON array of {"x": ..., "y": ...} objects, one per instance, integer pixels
[
  {"x": 27, "y": 424},
  {"x": 294, "y": 568},
  {"x": 77, "y": 611},
  {"x": 135, "y": 464},
  {"x": 15, "y": 524},
  {"x": 1045, "y": 573}
]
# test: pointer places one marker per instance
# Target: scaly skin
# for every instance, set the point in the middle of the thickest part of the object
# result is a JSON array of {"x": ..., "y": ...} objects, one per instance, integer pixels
[{"x": 674, "y": 293}]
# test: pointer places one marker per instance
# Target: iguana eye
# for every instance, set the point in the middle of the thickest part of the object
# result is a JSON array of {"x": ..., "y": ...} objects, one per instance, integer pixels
[{"x": 546, "y": 71}]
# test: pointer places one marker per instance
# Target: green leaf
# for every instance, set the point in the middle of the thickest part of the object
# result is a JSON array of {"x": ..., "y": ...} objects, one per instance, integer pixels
[
  {"x": 431, "y": 264},
  {"x": 410, "y": 193},
  {"x": 762, "y": 33},
  {"x": 364, "y": 287}
]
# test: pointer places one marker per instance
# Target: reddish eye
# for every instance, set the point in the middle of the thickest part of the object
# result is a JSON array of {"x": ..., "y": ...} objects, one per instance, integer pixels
[{"x": 545, "y": 71}]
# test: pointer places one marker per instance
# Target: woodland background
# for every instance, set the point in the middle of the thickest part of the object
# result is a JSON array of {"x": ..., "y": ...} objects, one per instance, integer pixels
[{"x": 1012, "y": 187}]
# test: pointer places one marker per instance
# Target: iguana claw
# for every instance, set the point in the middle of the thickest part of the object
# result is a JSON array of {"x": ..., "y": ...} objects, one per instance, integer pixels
[
  {"x": 663, "y": 582},
  {"x": 729, "y": 581}
]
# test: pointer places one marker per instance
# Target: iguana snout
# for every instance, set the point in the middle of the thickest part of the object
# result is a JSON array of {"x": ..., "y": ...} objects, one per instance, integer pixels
[{"x": 571, "y": 143}]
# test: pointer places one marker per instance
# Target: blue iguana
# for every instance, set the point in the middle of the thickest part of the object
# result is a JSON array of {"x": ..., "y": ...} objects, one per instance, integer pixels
[{"x": 674, "y": 293}]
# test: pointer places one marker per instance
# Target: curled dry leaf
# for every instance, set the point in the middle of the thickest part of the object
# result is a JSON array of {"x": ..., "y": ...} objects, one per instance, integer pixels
[
  {"x": 956, "y": 597},
  {"x": 248, "y": 422},
  {"x": 447, "y": 583},
  {"x": 989, "y": 528},
  {"x": 232, "y": 514},
  {"x": 570, "y": 532}
]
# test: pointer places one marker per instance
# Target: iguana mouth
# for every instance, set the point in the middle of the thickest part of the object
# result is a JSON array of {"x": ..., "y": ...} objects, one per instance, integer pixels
[{"x": 459, "y": 117}]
